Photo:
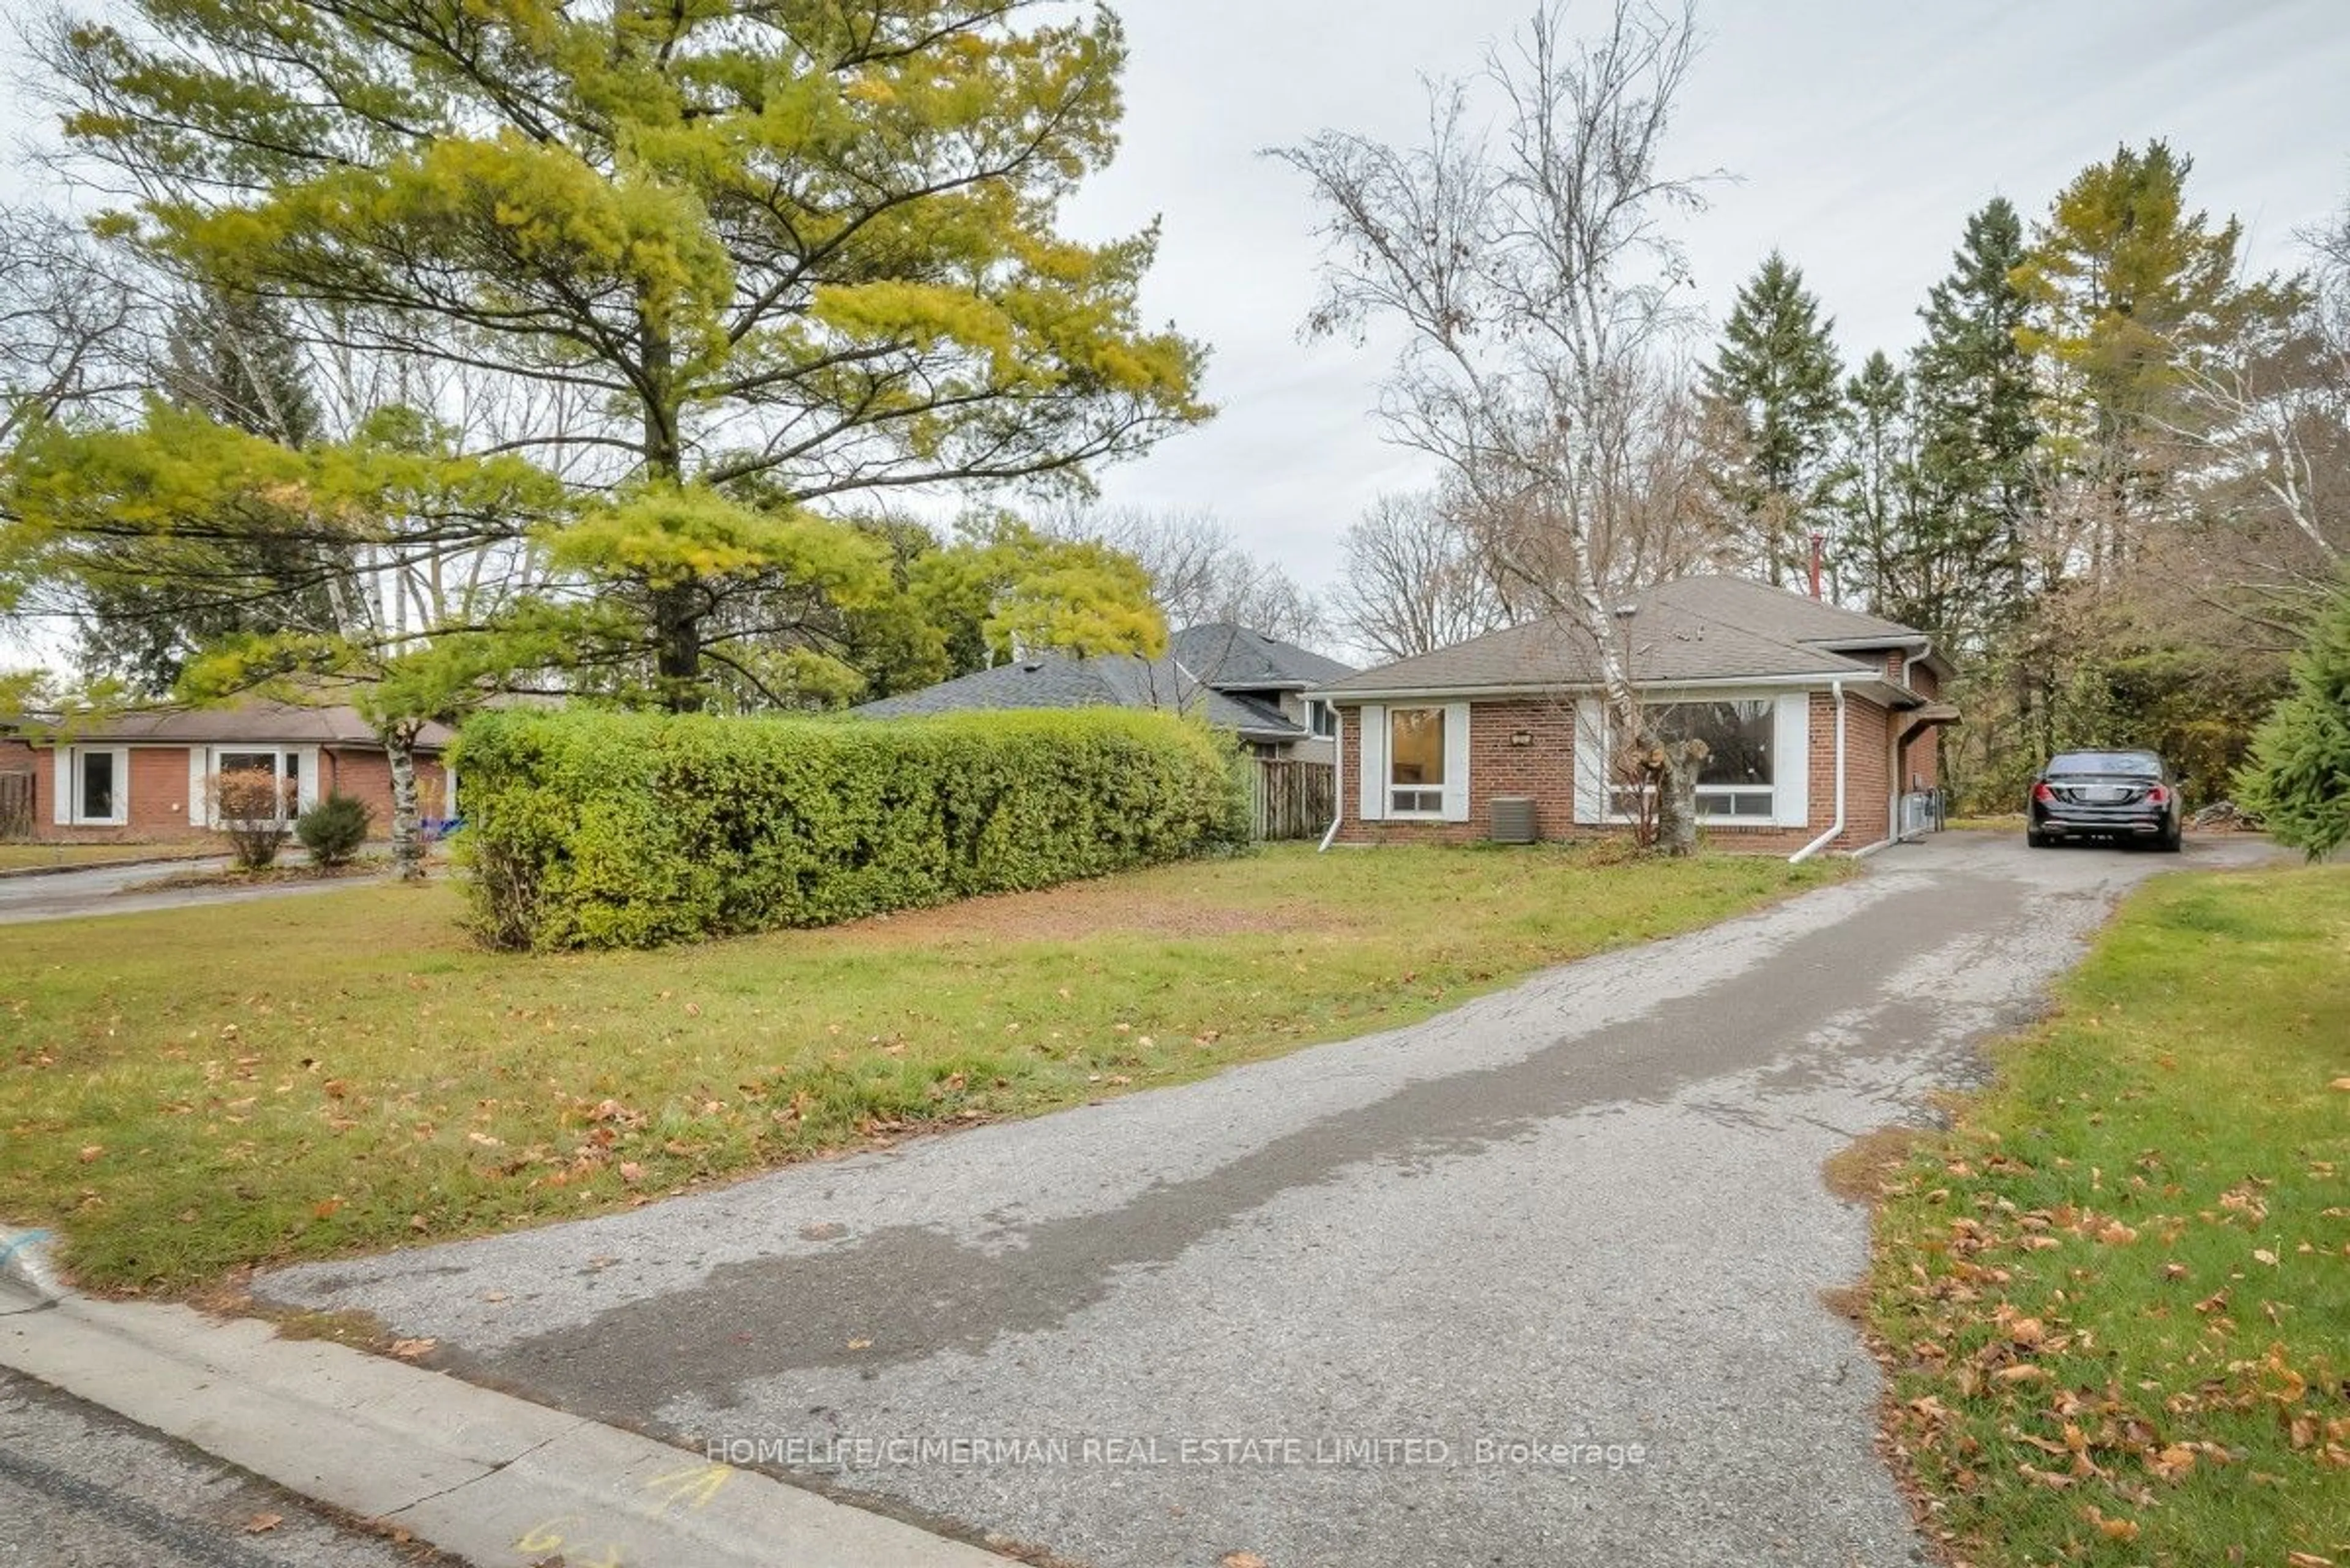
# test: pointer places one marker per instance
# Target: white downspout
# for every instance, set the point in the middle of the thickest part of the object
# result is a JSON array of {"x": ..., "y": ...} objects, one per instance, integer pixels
[
  {"x": 1836, "y": 827},
  {"x": 1338, "y": 774}
]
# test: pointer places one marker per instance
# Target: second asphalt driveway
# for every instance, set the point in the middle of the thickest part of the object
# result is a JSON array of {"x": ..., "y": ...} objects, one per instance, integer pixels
[{"x": 1536, "y": 1281}]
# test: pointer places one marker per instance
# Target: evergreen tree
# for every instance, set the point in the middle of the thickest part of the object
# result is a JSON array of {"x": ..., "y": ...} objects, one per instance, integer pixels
[
  {"x": 2124, "y": 289},
  {"x": 2299, "y": 777},
  {"x": 1874, "y": 501},
  {"x": 1776, "y": 377},
  {"x": 147, "y": 600},
  {"x": 791, "y": 259},
  {"x": 1977, "y": 434}
]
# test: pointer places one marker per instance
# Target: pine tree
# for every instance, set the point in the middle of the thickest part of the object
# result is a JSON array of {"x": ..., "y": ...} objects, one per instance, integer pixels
[
  {"x": 2124, "y": 287},
  {"x": 1874, "y": 500},
  {"x": 1777, "y": 377},
  {"x": 1977, "y": 434},
  {"x": 2299, "y": 777}
]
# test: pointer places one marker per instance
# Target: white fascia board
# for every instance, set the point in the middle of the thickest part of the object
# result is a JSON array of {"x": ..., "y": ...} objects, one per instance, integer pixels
[{"x": 1567, "y": 688}]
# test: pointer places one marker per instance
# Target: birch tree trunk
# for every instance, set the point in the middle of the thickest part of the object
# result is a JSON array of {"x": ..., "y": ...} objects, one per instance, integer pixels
[{"x": 406, "y": 827}]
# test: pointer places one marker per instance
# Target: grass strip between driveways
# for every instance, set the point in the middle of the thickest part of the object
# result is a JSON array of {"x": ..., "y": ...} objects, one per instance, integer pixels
[
  {"x": 185, "y": 1093},
  {"x": 2115, "y": 1299}
]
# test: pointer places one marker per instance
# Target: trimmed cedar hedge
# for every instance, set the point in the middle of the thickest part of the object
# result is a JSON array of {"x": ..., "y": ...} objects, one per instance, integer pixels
[{"x": 594, "y": 829}]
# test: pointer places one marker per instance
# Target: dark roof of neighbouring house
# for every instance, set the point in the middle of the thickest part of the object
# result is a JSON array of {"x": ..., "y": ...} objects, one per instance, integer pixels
[
  {"x": 258, "y": 722},
  {"x": 1690, "y": 629},
  {"x": 1232, "y": 657},
  {"x": 1108, "y": 681}
]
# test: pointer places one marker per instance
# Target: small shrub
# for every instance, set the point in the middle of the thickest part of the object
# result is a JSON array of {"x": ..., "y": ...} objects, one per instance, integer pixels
[
  {"x": 250, "y": 807},
  {"x": 333, "y": 830},
  {"x": 588, "y": 829}
]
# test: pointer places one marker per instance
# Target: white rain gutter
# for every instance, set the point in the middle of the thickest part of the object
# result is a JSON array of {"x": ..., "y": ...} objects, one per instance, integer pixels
[
  {"x": 1824, "y": 839},
  {"x": 1337, "y": 774}
]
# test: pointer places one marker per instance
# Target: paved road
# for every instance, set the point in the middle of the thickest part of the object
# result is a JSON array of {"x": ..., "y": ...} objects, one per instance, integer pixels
[
  {"x": 80, "y": 1488},
  {"x": 101, "y": 890},
  {"x": 1536, "y": 1281}
]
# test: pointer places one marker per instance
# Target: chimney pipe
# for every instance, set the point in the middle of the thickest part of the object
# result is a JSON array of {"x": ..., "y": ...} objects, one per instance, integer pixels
[{"x": 1817, "y": 540}]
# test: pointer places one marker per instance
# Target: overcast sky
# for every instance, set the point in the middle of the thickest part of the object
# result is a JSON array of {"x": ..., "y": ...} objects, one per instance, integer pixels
[{"x": 1861, "y": 133}]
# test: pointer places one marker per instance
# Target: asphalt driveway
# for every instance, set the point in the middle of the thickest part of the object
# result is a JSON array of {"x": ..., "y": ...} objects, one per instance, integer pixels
[
  {"x": 109, "y": 890},
  {"x": 1537, "y": 1281}
]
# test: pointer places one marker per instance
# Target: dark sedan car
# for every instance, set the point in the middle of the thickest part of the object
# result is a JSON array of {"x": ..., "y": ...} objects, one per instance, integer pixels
[{"x": 2124, "y": 796}]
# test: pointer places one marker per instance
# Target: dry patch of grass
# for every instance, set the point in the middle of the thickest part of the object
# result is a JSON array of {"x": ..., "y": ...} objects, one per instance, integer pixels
[
  {"x": 2115, "y": 1301},
  {"x": 186, "y": 1093}
]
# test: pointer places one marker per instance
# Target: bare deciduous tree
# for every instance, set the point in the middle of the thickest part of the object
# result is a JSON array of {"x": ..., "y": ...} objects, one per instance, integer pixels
[
  {"x": 1535, "y": 280},
  {"x": 1200, "y": 570},
  {"x": 1414, "y": 580}
]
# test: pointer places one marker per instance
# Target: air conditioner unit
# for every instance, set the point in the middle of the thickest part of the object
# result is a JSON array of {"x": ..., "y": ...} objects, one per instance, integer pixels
[{"x": 1514, "y": 820}]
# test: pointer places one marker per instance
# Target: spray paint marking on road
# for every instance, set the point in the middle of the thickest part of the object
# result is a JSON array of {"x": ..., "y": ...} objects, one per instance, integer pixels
[{"x": 691, "y": 1488}]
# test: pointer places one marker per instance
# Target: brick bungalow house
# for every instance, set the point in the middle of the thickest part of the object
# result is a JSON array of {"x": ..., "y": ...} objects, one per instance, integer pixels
[
  {"x": 1819, "y": 719},
  {"x": 143, "y": 775}
]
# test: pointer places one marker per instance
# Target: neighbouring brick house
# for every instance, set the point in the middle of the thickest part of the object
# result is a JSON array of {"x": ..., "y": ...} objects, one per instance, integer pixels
[
  {"x": 1763, "y": 676},
  {"x": 145, "y": 775}
]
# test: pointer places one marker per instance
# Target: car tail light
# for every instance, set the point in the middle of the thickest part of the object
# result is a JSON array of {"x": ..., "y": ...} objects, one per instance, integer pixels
[
  {"x": 2157, "y": 795},
  {"x": 2041, "y": 793}
]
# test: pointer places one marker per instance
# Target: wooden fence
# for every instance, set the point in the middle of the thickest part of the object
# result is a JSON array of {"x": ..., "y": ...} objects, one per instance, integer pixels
[
  {"x": 15, "y": 806},
  {"x": 1293, "y": 799}
]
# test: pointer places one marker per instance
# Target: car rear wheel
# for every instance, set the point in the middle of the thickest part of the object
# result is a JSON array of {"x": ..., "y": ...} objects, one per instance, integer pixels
[{"x": 2037, "y": 839}]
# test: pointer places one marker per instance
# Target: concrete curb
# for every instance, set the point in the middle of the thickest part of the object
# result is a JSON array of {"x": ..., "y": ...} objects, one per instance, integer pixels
[{"x": 495, "y": 1480}]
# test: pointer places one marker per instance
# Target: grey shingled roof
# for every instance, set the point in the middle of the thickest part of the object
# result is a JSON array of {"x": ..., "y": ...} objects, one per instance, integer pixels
[
  {"x": 1226, "y": 654},
  {"x": 1057, "y": 681},
  {"x": 1693, "y": 629}
]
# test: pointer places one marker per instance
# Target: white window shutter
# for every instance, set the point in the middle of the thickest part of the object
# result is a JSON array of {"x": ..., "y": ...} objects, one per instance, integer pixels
[
  {"x": 1590, "y": 761},
  {"x": 1372, "y": 802},
  {"x": 1791, "y": 761},
  {"x": 121, "y": 817},
  {"x": 308, "y": 796},
  {"x": 199, "y": 775},
  {"x": 1455, "y": 762},
  {"x": 61, "y": 778}
]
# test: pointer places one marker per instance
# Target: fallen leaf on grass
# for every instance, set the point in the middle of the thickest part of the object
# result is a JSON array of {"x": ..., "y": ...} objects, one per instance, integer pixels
[
  {"x": 91, "y": 1151},
  {"x": 2111, "y": 1528},
  {"x": 2022, "y": 1373},
  {"x": 410, "y": 1349},
  {"x": 631, "y": 1172},
  {"x": 261, "y": 1524},
  {"x": 2307, "y": 1559}
]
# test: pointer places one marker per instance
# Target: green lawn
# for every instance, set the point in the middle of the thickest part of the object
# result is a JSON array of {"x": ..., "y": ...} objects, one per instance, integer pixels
[
  {"x": 183, "y": 1094},
  {"x": 2117, "y": 1299},
  {"x": 22, "y": 856}
]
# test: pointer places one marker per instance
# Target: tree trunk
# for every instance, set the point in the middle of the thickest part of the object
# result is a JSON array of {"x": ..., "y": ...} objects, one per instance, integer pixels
[
  {"x": 407, "y": 828},
  {"x": 1677, "y": 771},
  {"x": 677, "y": 609}
]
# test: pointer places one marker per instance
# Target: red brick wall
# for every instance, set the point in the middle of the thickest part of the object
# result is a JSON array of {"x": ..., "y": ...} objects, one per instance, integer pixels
[
  {"x": 158, "y": 803},
  {"x": 367, "y": 776},
  {"x": 158, "y": 790},
  {"x": 1545, "y": 770}
]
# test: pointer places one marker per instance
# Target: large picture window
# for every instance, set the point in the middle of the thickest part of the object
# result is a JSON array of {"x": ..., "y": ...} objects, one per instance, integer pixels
[
  {"x": 1734, "y": 784},
  {"x": 1416, "y": 761},
  {"x": 277, "y": 772}
]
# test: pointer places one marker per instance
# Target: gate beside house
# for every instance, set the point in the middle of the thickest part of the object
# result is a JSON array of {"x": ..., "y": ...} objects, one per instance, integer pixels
[
  {"x": 15, "y": 806},
  {"x": 1293, "y": 799}
]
